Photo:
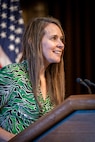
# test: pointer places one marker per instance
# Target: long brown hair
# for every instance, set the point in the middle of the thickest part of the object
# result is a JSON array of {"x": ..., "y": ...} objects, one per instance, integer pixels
[{"x": 32, "y": 52}]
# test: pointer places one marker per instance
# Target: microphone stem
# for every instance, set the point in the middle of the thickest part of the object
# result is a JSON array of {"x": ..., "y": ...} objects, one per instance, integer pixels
[{"x": 89, "y": 90}]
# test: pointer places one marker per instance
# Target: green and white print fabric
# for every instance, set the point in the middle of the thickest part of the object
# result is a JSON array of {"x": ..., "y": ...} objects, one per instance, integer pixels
[{"x": 18, "y": 107}]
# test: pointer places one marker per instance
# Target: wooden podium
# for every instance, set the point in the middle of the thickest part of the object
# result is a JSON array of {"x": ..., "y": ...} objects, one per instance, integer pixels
[{"x": 72, "y": 121}]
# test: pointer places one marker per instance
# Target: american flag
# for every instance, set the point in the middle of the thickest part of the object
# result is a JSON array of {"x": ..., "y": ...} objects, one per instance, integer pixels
[{"x": 11, "y": 30}]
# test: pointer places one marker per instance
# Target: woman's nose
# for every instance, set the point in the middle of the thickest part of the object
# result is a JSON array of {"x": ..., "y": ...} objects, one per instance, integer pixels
[{"x": 60, "y": 44}]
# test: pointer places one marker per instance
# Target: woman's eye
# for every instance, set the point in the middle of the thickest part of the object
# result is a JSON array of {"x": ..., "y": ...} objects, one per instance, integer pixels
[
  {"x": 54, "y": 37},
  {"x": 62, "y": 39}
]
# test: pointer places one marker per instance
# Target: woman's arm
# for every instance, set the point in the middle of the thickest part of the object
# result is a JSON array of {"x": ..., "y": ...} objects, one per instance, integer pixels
[{"x": 5, "y": 135}]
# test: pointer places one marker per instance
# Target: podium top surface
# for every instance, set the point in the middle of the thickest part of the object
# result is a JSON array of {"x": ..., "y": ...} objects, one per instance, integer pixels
[{"x": 71, "y": 104}]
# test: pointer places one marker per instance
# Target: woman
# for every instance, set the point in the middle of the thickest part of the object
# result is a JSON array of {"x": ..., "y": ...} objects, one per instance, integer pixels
[{"x": 34, "y": 86}]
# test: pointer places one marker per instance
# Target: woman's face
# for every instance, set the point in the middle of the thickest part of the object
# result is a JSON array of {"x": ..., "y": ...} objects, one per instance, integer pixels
[{"x": 52, "y": 44}]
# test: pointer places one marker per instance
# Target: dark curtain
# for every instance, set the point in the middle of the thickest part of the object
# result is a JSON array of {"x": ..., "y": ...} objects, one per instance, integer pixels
[{"x": 78, "y": 21}]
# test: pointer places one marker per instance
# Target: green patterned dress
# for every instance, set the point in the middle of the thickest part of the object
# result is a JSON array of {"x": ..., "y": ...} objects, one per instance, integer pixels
[{"x": 18, "y": 107}]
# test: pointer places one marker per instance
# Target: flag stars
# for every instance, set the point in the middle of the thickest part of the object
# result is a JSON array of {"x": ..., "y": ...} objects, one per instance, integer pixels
[
  {"x": 12, "y": 27},
  {"x": 4, "y": 15},
  {"x": 18, "y": 31},
  {"x": 3, "y": 25},
  {"x": 16, "y": 50},
  {"x": 11, "y": 47},
  {"x": 11, "y": 37},
  {"x": 4, "y": 5},
  {"x": 13, "y": 8},
  {"x": 12, "y": 18},
  {"x": 3, "y": 35},
  {"x": 17, "y": 40},
  {"x": 20, "y": 21}
]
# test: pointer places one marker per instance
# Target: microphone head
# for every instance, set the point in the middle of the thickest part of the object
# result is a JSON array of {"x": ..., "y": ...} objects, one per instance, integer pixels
[{"x": 79, "y": 80}]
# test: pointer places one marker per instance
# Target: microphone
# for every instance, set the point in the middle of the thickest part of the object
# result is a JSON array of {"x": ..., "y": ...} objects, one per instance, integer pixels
[
  {"x": 79, "y": 80},
  {"x": 89, "y": 82}
]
